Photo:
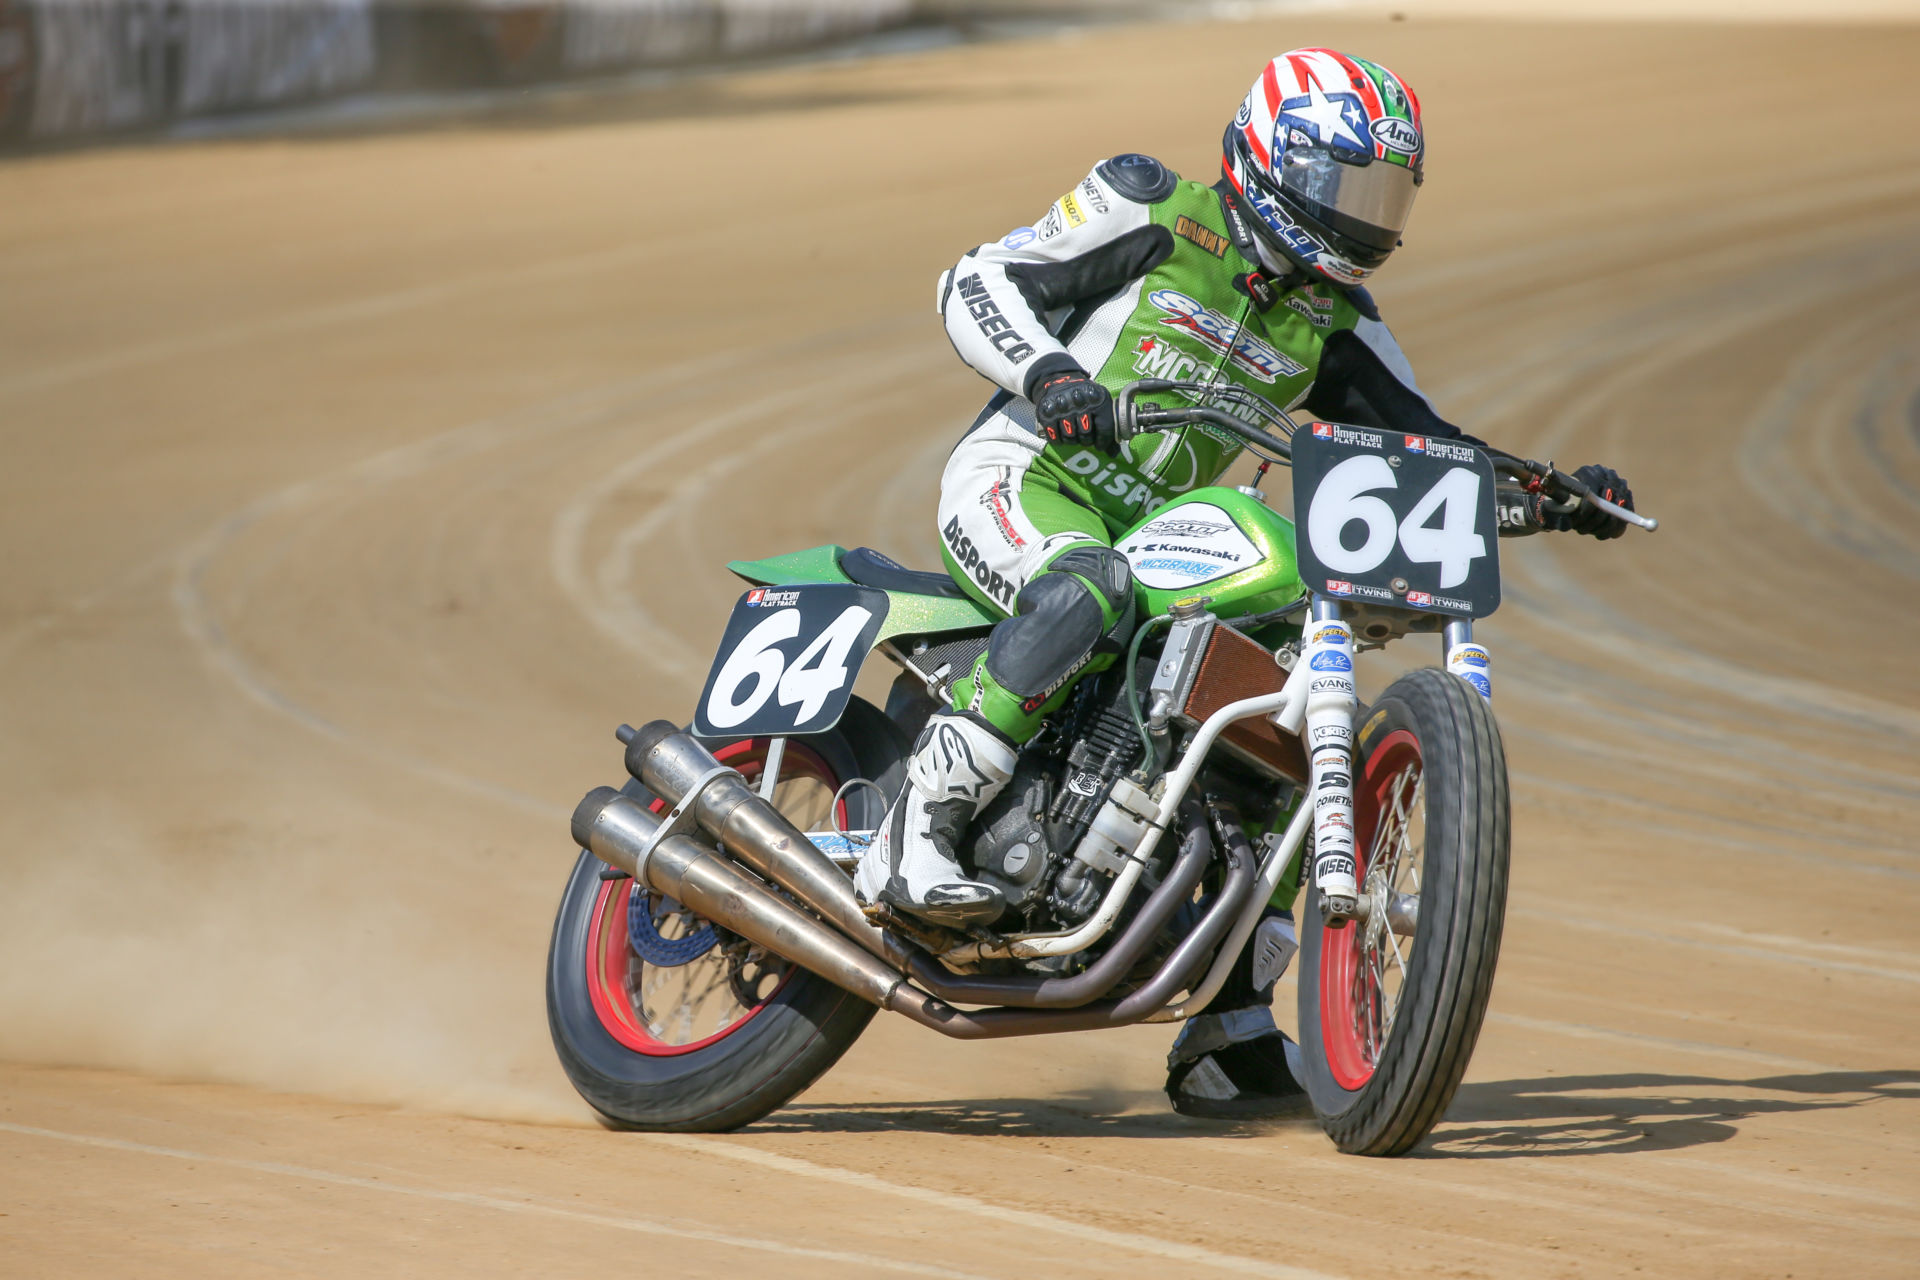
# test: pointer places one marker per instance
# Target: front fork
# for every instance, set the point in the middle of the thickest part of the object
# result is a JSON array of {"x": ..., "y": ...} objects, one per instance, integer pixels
[{"x": 1331, "y": 703}]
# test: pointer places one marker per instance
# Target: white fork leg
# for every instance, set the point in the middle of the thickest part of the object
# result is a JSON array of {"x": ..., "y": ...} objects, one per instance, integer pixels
[
  {"x": 1470, "y": 661},
  {"x": 1330, "y": 706}
]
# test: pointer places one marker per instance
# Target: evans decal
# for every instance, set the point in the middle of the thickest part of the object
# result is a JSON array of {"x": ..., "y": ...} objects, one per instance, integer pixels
[
  {"x": 1221, "y": 335},
  {"x": 1332, "y": 662},
  {"x": 1018, "y": 238},
  {"x": 1397, "y": 135},
  {"x": 1197, "y": 534}
]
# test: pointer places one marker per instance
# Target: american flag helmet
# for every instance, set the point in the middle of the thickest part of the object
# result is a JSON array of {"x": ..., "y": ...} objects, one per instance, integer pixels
[{"x": 1325, "y": 157}]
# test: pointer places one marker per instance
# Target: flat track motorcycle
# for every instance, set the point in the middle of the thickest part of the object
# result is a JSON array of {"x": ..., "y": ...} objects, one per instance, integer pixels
[{"x": 711, "y": 960}]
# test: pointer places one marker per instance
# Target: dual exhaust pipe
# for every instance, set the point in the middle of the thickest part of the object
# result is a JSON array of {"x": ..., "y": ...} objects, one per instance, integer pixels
[{"x": 840, "y": 943}]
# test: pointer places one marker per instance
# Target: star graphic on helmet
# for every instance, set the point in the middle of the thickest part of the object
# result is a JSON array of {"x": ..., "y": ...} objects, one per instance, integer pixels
[{"x": 1326, "y": 115}]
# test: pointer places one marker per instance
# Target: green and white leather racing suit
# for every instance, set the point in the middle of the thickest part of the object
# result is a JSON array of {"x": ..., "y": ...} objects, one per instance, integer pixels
[{"x": 1132, "y": 274}]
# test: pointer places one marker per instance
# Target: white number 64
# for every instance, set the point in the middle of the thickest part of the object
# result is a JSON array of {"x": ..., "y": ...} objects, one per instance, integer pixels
[
  {"x": 819, "y": 671},
  {"x": 1340, "y": 498}
]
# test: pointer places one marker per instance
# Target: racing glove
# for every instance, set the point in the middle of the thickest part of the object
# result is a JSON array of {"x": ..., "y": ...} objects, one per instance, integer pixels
[
  {"x": 1589, "y": 519},
  {"x": 1072, "y": 408}
]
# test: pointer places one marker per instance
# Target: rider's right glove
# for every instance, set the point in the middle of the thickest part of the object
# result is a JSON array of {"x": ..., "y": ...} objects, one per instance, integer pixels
[
  {"x": 1589, "y": 519},
  {"x": 1072, "y": 408}
]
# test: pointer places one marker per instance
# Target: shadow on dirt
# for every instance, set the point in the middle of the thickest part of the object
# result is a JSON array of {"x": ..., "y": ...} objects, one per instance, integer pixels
[
  {"x": 1494, "y": 1119},
  {"x": 1098, "y": 1113},
  {"x": 1570, "y": 1116}
]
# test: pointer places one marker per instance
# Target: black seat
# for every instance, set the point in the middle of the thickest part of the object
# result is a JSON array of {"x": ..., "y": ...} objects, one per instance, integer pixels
[{"x": 871, "y": 569}]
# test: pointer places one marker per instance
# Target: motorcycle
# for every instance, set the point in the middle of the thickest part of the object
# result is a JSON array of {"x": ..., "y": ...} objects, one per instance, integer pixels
[{"x": 710, "y": 958}]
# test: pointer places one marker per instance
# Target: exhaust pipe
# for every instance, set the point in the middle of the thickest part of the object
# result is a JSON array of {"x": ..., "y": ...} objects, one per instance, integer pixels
[
  {"x": 618, "y": 831},
  {"x": 621, "y": 832},
  {"x": 669, "y": 763}
]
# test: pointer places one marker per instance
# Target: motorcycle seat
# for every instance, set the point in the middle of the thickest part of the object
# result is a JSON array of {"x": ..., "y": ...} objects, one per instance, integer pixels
[{"x": 871, "y": 569}]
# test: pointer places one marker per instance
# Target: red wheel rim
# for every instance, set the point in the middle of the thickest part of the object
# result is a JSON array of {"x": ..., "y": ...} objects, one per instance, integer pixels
[
  {"x": 615, "y": 975},
  {"x": 1356, "y": 1009}
]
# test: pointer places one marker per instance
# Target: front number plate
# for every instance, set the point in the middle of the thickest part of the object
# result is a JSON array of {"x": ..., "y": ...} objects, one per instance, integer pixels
[
  {"x": 787, "y": 661},
  {"x": 1390, "y": 519}
]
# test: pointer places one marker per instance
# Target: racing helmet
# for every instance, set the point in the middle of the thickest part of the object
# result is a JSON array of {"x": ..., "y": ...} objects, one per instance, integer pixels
[{"x": 1324, "y": 159}]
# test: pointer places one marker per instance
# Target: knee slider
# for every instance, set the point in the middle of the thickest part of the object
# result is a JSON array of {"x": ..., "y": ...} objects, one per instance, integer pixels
[
  {"x": 1105, "y": 568},
  {"x": 1058, "y": 624}
]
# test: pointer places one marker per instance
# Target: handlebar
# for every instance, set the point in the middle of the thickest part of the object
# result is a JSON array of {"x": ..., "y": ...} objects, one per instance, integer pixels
[{"x": 1563, "y": 492}]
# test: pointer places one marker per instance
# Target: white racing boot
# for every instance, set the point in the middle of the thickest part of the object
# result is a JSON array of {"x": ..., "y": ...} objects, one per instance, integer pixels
[{"x": 958, "y": 766}]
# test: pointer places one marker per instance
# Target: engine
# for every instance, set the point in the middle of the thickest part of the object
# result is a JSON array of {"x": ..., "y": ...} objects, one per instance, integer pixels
[{"x": 1023, "y": 843}]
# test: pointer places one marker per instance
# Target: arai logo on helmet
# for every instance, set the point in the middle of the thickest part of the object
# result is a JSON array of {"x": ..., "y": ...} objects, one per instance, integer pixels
[
  {"x": 1397, "y": 135},
  {"x": 1245, "y": 117}
]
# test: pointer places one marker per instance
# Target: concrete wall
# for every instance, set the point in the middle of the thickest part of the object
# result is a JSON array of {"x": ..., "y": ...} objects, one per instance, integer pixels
[{"x": 73, "y": 68}]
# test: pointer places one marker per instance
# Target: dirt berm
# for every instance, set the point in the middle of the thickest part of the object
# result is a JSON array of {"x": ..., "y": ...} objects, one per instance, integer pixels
[{"x": 353, "y": 490}]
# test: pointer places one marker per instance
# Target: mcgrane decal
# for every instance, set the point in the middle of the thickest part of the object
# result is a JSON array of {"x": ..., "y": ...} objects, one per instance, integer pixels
[{"x": 1217, "y": 332}]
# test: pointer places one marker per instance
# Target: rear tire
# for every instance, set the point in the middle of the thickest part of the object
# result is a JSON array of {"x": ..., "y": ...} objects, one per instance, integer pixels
[
  {"x": 1388, "y": 1022},
  {"x": 773, "y": 1039}
]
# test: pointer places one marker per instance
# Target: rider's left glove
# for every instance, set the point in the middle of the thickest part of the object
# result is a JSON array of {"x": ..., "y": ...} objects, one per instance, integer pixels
[
  {"x": 1072, "y": 408},
  {"x": 1589, "y": 519}
]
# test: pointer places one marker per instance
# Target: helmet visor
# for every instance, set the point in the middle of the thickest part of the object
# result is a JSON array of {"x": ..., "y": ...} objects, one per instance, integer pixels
[{"x": 1366, "y": 203}]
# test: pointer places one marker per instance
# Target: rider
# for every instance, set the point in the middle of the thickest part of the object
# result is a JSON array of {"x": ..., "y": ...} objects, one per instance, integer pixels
[{"x": 1255, "y": 280}]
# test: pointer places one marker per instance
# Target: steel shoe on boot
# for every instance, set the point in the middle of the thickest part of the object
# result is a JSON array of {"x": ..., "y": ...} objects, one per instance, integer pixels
[
  {"x": 958, "y": 765},
  {"x": 1235, "y": 1066}
]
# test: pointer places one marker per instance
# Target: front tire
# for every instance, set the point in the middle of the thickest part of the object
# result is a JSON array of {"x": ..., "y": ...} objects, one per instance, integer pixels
[
  {"x": 717, "y": 1041},
  {"x": 1390, "y": 1008}
]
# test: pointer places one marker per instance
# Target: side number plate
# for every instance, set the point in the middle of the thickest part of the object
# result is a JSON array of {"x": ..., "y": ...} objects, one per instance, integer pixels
[
  {"x": 787, "y": 662},
  {"x": 1391, "y": 519}
]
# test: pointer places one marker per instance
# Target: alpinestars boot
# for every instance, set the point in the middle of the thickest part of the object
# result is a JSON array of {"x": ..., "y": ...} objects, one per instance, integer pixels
[
  {"x": 1233, "y": 1063},
  {"x": 958, "y": 765}
]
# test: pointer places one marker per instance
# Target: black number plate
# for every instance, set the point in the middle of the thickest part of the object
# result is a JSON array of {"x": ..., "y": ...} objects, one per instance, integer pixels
[
  {"x": 787, "y": 662},
  {"x": 1391, "y": 519}
]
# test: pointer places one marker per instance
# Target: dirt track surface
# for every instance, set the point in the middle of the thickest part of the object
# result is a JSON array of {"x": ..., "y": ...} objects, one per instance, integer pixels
[{"x": 355, "y": 489}]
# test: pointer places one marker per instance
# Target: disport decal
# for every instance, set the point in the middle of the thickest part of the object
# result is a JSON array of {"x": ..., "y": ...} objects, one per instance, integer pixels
[
  {"x": 1250, "y": 354},
  {"x": 968, "y": 557},
  {"x": 995, "y": 327},
  {"x": 1331, "y": 661},
  {"x": 1107, "y": 476}
]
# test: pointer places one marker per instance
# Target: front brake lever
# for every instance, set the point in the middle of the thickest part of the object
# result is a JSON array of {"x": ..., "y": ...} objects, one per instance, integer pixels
[{"x": 1556, "y": 479}]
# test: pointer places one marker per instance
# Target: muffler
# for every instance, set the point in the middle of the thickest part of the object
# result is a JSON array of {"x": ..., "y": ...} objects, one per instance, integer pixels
[
  {"x": 671, "y": 764},
  {"x": 625, "y": 834}
]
